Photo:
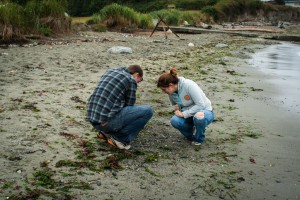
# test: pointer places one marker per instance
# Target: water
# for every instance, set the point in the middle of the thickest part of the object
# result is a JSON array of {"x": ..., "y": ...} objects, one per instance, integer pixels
[{"x": 282, "y": 63}]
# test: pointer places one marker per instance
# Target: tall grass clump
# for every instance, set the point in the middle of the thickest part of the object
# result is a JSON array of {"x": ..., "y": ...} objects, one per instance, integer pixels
[
  {"x": 52, "y": 17},
  {"x": 228, "y": 10},
  {"x": 211, "y": 11},
  {"x": 253, "y": 6},
  {"x": 11, "y": 21},
  {"x": 176, "y": 17},
  {"x": 53, "y": 8},
  {"x": 36, "y": 16},
  {"x": 195, "y": 17},
  {"x": 115, "y": 15},
  {"x": 145, "y": 21},
  {"x": 191, "y": 4},
  {"x": 170, "y": 16}
]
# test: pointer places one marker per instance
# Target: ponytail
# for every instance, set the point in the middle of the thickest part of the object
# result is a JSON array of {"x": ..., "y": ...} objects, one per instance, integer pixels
[{"x": 166, "y": 78}]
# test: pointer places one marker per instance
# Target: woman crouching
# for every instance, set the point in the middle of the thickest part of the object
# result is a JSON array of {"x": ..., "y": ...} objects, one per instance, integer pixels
[{"x": 193, "y": 110}]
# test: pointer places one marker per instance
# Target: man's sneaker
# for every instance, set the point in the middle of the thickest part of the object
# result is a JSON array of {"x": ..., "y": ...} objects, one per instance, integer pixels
[
  {"x": 103, "y": 136},
  {"x": 196, "y": 143},
  {"x": 112, "y": 141}
]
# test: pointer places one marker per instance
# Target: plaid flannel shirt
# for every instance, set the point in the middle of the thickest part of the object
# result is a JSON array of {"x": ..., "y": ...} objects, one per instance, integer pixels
[{"x": 115, "y": 90}]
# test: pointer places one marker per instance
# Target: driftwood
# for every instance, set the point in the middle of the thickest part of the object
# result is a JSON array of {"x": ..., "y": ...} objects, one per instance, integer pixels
[{"x": 164, "y": 27}]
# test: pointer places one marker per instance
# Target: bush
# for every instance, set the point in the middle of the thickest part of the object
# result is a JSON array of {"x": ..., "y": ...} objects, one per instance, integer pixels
[
  {"x": 115, "y": 15},
  {"x": 99, "y": 28},
  {"x": 145, "y": 21},
  {"x": 211, "y": 11},
  {"x": 46, "y": 31},
  {"x": 191, "y": 4},
  {"x": 11, "y": 20},
  {"x": 53, "y": 8},
  {"x": 37, "y": 16},
  {"x": 171, "y": 17}
]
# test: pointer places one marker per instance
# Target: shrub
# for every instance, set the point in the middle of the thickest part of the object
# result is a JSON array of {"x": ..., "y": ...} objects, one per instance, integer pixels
[
  {"x": 46, "y": 31},
  {"x": 47, "y": 14},
  {"x": 11, "y": 22},
  {"x": 116, "y": 14},
  {"x": 53, "y": 8},
  {"x": 211, "y": 11},
  {"x": 145, "y": 21},
  {"x": 171, "y": 17}
]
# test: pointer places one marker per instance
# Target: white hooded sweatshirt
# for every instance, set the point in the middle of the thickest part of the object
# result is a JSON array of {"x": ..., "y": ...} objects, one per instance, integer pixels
[{"x": 190, "y": 98}]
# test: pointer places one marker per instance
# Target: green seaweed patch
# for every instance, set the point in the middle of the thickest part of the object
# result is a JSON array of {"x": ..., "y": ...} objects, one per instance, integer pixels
[
  {"x": 113, "y": 161},
  {"x": 32, "y": 107},
  {"x": 8, "y": 185},
  {"x": 166, "y": 148},
  {"x": 152, "y": 172},
  {"x": 44, "y": 178},
  {"x": 152, "y": 157},
  {"x": 229, "y": 107},
  {"x": 155, "y": 91},
  {"x": 90, "y": 164},
  {"x": 218, "y": 119},
  {"x": 221, "y": 155},
  {"x": 75, "y": 184},
  {"x": 253, "y": 135},
  {"x": 255, "y": 89},
  {"x": 164, "y": 113}
]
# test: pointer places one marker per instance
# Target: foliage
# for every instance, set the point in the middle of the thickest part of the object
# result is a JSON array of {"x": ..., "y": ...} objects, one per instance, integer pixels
[
  {"x": 211, "y": 11},
  {"x": 191, "y": 4},
  {"x": 171, "y": 17},
  {"x": 253, "y": 6},
  {"x": 116, "y": 15},
  {"x": 229, "y": 9},
  {"x": 176, "y": 17},
  {"x": 53, "y": 8},
  {"x": 145, "y": 21},
  {"x": 11, "y": 23},
  {"x": 44, "y": 16}
]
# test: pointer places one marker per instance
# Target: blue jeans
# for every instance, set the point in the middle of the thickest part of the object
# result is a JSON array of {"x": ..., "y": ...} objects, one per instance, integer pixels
[
  {"x": 126, "y": 125},
  {"x": 186, "y": 126}
]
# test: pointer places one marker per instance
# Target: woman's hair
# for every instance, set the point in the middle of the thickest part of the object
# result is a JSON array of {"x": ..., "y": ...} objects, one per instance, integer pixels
[
  {"x": 135, "y": 68},
  {"x": 166, "y": 78}
]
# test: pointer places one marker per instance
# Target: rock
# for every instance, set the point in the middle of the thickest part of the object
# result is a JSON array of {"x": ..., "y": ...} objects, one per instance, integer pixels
[
  {"x": 221, "y": 45},
  {"x": 120, "y": 49},
  {"x": 191, "y": 44}
]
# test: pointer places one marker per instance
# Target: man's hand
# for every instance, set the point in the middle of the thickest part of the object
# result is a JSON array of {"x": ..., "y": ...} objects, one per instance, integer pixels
[
  {"x": 178, "y": 113},
  {"x": 104, "y": 123}
]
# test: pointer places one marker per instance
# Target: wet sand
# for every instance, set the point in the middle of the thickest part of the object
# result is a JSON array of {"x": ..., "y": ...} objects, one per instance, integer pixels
[{"x": 250, "y": 150}]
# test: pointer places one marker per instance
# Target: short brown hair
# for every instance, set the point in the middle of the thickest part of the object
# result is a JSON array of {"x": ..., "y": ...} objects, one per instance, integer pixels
[
  {"x": 135, "y": 68},
  {"x": 166, "y": 78}
]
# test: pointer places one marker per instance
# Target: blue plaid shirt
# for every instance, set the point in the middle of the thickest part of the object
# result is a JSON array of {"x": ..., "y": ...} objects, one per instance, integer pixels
[{"x": 115, "y": 90}]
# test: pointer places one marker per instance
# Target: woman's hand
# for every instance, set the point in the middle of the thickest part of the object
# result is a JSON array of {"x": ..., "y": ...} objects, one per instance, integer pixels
[
  {"x": 178, "y": 113},
  {"x": 176, "y": 107}
]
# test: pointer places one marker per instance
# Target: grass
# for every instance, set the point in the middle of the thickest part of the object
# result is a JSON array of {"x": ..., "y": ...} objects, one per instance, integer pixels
[
  {"x": 44, "y": 17},
  {"x": 115, "y": 15},
  {"x": 80, "y": 19}
]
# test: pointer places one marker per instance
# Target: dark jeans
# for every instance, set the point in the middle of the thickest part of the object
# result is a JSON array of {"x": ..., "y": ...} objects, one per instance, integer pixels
[{"x": 126, "y": 125}]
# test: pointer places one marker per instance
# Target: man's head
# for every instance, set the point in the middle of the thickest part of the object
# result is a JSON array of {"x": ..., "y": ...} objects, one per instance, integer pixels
[{"x": 137, "y": 72}]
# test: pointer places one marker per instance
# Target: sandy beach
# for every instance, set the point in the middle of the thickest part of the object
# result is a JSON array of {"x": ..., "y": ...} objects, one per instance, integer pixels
[{"x": 49, "y": 151}]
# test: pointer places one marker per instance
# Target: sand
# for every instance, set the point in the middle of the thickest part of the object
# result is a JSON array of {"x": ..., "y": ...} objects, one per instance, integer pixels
[{"x": 49, "y": 151}]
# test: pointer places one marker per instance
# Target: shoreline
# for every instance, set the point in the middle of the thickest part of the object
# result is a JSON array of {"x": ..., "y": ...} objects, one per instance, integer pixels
[
  {"x": 44, "y": 91},
  {"x": 275, "y": 171}
]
